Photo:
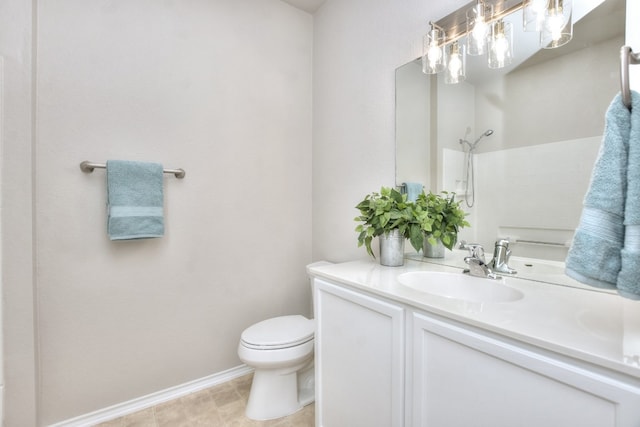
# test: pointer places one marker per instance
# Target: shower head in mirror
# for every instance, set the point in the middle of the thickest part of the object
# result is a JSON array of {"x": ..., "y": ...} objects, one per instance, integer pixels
[{"x": 488, "y": 132}]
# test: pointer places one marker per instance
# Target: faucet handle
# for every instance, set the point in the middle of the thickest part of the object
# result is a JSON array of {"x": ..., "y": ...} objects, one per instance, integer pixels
[
  {"x": 503, "y": 242},
  {"x": 479, "y": 268},
  {"x": 476, "y": 251}
]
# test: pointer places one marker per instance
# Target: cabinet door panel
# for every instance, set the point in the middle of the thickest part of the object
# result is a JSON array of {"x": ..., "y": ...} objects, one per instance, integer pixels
[
  {"x": 462, "y": 378},
  {"x": 359, "y": 359}
]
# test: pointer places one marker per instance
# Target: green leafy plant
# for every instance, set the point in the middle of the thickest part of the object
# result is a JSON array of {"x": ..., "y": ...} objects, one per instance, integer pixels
[
  {"x": 380, "y": 213},
  {"x": 446, "y": 217}
]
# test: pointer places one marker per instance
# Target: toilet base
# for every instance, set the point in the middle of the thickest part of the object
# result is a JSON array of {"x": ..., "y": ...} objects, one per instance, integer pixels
[
  {"x": 306, "y": 385},
  {"x": 276, "y": 393}
]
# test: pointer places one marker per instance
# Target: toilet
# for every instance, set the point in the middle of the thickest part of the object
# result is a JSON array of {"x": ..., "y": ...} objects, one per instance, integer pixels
[{"x": 280, "y": 350}]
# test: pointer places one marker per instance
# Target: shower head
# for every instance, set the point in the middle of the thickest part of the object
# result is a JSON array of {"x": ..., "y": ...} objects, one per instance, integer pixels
[{"x": 488, "y": 132}]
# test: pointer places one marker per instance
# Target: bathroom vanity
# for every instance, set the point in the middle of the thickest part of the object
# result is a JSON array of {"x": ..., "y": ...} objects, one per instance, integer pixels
[{"x": 425, "y": 345}]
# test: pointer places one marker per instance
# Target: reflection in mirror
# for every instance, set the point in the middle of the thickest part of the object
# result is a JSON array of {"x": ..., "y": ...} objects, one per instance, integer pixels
[{"x": 527, "y": 178}]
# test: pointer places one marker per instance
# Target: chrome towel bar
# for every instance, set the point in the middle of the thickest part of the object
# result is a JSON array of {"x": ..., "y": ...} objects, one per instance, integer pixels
[
  {"x": 627, "y": 56},
  {"x": 88, "y": 167}
]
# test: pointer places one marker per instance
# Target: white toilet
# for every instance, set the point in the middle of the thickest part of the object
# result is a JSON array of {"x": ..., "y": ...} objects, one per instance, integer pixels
[{"x": 281, "y": 352}]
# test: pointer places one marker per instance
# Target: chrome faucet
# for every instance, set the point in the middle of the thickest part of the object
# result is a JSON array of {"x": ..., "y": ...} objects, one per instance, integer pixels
[
  {"x": 501, "y": 254},
  {"x": 476, "y": 261}
]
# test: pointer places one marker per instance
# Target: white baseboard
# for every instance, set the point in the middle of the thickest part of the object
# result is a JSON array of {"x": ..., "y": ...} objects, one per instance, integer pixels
[{"x": 153, "y": 399}]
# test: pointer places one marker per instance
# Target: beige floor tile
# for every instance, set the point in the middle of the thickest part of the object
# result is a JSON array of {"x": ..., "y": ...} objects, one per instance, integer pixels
[
  {"x": 220, "y": 406},
  {"x": 145, "y": 418},
  {"x": 113, "y": 423},
  {"x": 225, "y": 394},
  {"x": 303, "y": 418},
  {"x": 243, "y": 385},
  {"x": 171, "y": 414},
  {"x": 232, "y": 411}
]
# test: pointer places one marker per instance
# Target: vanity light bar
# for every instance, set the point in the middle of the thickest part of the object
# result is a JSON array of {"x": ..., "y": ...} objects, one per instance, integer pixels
[{"x": 455, "y": 23}]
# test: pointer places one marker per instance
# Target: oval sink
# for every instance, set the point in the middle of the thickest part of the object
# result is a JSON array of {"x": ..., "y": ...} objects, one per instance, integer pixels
[{"x": 460, "y": 286}]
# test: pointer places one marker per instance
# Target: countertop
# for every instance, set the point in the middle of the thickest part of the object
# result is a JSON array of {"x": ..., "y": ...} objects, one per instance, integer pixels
[{"x": 577, "y": 321}]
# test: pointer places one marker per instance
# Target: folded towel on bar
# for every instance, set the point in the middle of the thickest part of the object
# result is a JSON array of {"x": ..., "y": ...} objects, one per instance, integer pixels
[
  {"x": 413, "y": 190},
  {"x": 135, "y": 200},
  {"x": 629, "y": 276},
  {"x": 595, "y": 254}
]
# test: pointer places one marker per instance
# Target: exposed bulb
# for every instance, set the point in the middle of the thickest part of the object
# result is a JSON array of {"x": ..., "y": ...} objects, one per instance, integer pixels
[
  {"x": 480, "y": 30},
  {"x": 538, "y": 6},
  {"x": 501, "y": 48},
  {"x": 533, "y": 14},
  {"x": 500, "y": 45},
  {"x": 455, "y": 64},
  {"x": 555, "y": 23},
  {"x": 434, "y": 54}
]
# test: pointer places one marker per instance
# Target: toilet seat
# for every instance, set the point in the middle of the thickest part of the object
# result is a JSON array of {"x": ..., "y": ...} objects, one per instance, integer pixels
[{"x": 278, "y": 333}]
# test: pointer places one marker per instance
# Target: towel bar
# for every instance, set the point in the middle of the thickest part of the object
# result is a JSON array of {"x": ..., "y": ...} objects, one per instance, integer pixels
[
  {"x": 88, "y": 167},
  {"x": 627, "y": 56}
]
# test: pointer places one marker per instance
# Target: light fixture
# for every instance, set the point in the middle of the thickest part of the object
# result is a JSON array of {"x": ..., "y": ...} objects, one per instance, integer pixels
[
  {"x": 557, "y": 28},
  {"x": 433, "y": 58},
  {"x": 533, "y": 14},
  {"x": 457, "y": 63},
  {"x": 484, "y": 24},
  {"x": 500, "y": 44},
  {"x": 478, "y": 18}
]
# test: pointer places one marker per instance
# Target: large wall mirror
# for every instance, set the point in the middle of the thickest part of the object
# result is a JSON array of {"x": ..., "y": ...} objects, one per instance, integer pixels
[{"x": 517, "y": 144}]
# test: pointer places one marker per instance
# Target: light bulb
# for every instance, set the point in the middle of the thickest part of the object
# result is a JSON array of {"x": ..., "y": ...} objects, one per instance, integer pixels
[
  {"x": 455, "y": 64},
  {"x": 500, "y": 45},
  {"x": 557, "y": 29},
  {"x": 533, "y": 14},
  {"x": 480, "y": 29},
  {"x": 555, "y": 24},
  {"x": 433, "y": 59},
  {"x": 434, "y": 54}
]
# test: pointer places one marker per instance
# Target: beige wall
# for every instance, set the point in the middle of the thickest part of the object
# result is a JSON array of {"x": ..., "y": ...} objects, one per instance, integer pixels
[
  {"x": 144, "y": 316},
  {"x": 221, "y": 89},
  {"x": 357, "y": 46},
  {"x": 18, "y": 280}
]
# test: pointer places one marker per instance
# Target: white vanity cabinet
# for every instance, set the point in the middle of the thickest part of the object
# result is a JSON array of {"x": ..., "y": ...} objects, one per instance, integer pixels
[
  {"x": 359, "y": 359},
  {"x": 381, "y": 361},
  {"x": 467, "y": 377}
]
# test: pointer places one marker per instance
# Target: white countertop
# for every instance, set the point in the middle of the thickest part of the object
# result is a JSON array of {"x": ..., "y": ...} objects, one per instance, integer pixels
[{"x": 597, "y": 327}]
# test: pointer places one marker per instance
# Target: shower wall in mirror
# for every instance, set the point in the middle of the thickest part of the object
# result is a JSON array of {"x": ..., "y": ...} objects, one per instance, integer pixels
[{"x": 518, "y": 146}]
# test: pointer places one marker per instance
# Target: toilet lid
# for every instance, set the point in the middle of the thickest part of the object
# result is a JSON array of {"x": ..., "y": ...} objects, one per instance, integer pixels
[{"x": 279, "y": 332}]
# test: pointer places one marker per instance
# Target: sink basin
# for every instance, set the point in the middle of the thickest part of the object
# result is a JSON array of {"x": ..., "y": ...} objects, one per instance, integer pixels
[{"x": 460, "y": 286}]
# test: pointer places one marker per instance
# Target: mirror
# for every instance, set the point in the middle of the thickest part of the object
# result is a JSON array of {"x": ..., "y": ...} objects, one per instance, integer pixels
[{"x": 535, "y": 129}]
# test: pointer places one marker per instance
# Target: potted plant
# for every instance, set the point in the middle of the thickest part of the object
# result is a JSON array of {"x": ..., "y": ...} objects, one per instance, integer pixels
[
  {"x": 389, "y": 216},
  {"x": 446, "y": 218}
]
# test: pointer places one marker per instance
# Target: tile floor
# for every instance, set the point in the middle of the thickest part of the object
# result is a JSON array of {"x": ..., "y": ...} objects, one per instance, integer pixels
[{"x": 219, "y": 406}]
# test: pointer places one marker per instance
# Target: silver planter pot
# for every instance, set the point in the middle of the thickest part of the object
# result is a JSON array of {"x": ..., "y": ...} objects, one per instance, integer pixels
[
  {"x": 392, "y": 249},
  {"x": 432, "y": 251}
]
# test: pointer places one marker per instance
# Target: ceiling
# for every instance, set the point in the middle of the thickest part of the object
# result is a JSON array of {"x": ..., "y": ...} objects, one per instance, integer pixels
[{"x": 307, "y": 5}]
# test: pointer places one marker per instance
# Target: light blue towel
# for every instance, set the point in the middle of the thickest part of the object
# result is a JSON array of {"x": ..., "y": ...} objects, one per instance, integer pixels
[
  {"x": 606, "y": 247},
  {"x": 135, "y": 200},
  {"x": 413, "y": 190},
  {"x": 629, "y": 277},
  {"x": 594, "y": 257}
]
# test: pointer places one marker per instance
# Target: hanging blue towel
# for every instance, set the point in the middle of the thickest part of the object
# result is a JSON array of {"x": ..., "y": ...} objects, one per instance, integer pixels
[
  {"x": 135, "y": 200},
  {"x": 629, "y": 276},
  {"x": 413, "y": 190},
  {"x": 594, "y": 257}
]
